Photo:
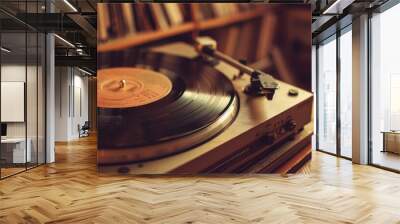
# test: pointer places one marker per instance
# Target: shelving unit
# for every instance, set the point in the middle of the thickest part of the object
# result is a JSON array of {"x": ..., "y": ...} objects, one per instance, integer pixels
[
  {"x": 143, "y": 38},
  {"x": 193, "y": 27},
  {"x": 267, "y": 37},
  {"x": 229, "y": 20}
]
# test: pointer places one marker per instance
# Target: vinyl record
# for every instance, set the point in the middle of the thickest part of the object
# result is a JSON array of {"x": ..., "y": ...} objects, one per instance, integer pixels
[{"x": 163, "y": 105}]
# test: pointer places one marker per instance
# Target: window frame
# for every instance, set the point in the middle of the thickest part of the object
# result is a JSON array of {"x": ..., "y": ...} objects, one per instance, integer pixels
[
  {"x": 334, "y": 37},
  {"x": 381, "y": 9}
]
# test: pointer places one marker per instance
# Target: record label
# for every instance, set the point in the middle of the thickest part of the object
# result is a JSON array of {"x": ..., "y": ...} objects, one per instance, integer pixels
[{"x": 131, "y": 87}]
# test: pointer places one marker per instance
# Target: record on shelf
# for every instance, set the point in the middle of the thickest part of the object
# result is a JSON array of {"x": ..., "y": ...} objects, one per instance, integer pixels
[{"x": 162, "y": 105}]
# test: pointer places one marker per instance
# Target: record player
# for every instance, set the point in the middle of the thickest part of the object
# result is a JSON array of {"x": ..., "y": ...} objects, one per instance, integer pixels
[{"x": 189, "y": 109}]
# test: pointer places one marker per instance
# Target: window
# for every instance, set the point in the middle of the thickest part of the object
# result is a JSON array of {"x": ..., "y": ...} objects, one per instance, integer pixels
[
  {"x": 346, "y": 92},
  {"x": 326, "y": 111},
  {"x": 334, "y": 94},
  {"x": 385, "y": 88}
]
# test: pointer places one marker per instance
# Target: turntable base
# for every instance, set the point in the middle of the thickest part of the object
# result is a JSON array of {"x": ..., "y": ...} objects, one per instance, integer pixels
[
  {"x": 181, "y": 163},
  {"x": 264, "y": 136}
]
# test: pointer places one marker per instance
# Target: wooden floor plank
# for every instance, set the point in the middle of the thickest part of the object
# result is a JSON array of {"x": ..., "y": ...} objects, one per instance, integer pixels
[{"x": 326, "y": 190}]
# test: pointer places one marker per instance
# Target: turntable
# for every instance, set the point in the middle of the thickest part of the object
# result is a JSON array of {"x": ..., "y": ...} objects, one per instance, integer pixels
[{"x": 185, "y": 111}]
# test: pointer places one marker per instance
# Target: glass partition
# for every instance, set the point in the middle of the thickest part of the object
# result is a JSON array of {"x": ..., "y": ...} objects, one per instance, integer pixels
[
  {"x": 22, "y": 77},
  {"x": 13, "y": 95},
  {"x": 31, "y": 99},
  {"x": 41, "y": 97}
]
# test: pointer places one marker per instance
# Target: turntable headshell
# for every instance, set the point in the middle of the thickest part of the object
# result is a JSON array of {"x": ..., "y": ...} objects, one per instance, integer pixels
[{"x": 260, "y": 83}]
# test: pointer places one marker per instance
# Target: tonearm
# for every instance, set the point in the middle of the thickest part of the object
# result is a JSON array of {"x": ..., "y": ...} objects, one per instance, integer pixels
[{"x": 261, "y": 84}]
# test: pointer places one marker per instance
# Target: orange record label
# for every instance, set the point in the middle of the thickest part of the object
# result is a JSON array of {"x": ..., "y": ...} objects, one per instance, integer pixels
[{"x": 130, "y": 87}]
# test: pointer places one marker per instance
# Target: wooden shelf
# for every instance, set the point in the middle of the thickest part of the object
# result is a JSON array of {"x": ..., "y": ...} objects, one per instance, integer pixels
[
  {"x": 228, "y": 20},
  {"x": 147, "y": 37},
  {"x": 142, "y": 38}
]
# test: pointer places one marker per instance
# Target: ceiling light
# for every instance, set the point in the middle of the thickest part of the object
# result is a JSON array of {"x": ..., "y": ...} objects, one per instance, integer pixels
[
  {"x": 337, "y": 7},
  {"x": 5, "y": 50},
  {"x": 79, "y": 51},
  {"x": 84, "y": 71},
  {"x": 65, "y": 41},
  {"x": 70, "y": 5}
]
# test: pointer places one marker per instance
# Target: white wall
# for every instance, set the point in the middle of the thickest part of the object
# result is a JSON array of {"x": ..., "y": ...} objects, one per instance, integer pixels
[
  {"x": 71, "y": 93},
  {"x": 12, "y": 73},
  {"x": 61, "y": 103},
  {"x": 33, "y": 127},
  {"x": 81, "y": 102}
]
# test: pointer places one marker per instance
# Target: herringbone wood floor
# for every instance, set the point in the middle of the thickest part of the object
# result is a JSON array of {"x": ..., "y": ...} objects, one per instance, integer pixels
[{"x": 328, "y": 190}]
